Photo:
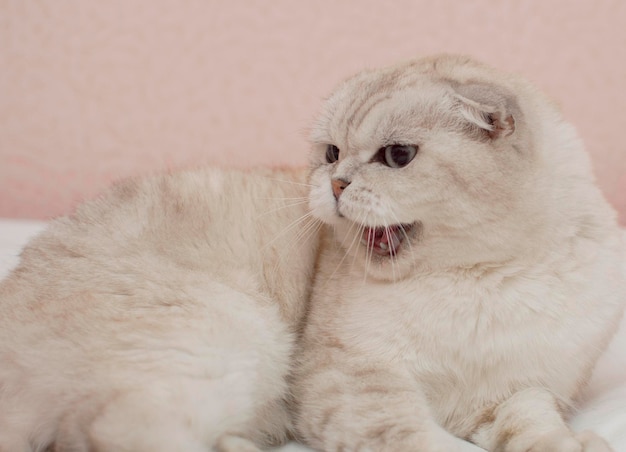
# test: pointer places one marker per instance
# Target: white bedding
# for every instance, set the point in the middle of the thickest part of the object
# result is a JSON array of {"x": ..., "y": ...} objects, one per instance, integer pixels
[{"x": 604, "y": 408}]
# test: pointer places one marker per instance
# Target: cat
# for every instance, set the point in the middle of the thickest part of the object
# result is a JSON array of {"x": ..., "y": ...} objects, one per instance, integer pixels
[
  {"x": 470, "y": 272},
  {"x": 159, "y": 317}
]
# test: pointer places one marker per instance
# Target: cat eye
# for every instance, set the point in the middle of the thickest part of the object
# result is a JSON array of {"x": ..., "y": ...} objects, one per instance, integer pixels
[
  {"x": 332, "y": 153},
  {"x": 396, "y": 155}
]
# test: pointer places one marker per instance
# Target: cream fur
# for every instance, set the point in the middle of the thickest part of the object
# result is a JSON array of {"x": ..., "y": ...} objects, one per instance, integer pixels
[
  {"x": 488, "y": 322},
  {"x": 159, "y": 317}
]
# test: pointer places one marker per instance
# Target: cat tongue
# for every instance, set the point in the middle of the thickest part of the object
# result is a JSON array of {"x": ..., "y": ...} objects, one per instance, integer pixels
[{"x": 383, "y": 241}]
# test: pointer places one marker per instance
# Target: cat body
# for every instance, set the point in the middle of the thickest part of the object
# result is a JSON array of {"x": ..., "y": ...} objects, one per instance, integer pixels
[
  {"x": 158, "y": 317},
  {"x": 471, "y": 272}
]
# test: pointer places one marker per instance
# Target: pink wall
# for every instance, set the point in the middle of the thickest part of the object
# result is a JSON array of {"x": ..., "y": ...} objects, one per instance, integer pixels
[{"x": 91, "y": 91}]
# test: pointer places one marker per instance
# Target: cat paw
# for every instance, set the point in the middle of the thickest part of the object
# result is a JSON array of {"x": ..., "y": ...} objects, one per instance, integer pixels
[
  {"x": 464, "y": 446},
  {"x": 417, "y": 442},
  {"x": 592, "y": 442},
  {"x": 564, "y": 442},
  {"x": 448, "y": 444},
  {"x": 232, "y": 443}
]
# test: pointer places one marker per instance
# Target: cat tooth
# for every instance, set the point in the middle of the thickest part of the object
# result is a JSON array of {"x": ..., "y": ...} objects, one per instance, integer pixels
[
  {"x": 363, "y": 242},
  {"x": 383, "y": 246},
  {"x": 395, "y": 241}
]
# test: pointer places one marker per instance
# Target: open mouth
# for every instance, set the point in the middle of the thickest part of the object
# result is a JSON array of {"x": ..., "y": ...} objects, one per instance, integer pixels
[{"x": 386, "y": 240}]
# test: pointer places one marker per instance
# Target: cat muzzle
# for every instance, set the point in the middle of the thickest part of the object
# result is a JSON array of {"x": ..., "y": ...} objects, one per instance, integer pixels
[{"x": 385, "y": 240}]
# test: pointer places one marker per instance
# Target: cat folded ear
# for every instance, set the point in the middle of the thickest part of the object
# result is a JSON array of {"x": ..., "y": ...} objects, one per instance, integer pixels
[{"x": 488, "y": 107}]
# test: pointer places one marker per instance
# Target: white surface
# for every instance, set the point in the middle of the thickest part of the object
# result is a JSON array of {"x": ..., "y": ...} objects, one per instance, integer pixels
[
  {"x": 14, "y": 234},
  {"x": 604, "y": 411}
]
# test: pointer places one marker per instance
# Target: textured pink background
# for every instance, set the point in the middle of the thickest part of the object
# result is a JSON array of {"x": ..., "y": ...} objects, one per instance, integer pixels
[{"x": 91, "y": 91}]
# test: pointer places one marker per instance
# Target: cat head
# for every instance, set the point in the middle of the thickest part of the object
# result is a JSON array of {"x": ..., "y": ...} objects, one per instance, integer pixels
[{"x": 410, "y": 162}]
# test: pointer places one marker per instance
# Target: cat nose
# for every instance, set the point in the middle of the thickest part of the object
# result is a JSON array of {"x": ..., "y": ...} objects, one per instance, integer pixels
[{"x": 338, "y": 186}]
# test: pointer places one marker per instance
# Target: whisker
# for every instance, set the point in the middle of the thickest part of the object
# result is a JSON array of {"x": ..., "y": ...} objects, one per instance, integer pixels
[
  {"x": 360, "y": 231},
  {"x": 391, "y": 256},
  {"x": 289, "y": 227},
  {"x": 356, "y": 241},
  {"x": 406, "y": 238},
  {"x": 369, "y": 254},
  {"x": 359, "y": 237},
  {"x": 284, "y": 206},
  {"x": 311, "y": 227},
  {"x": 343, "y": 242},
  {"x": 346, "y": 252},
  {"x": 280, "y": 198},
  {"x": 309, "y": 230},
  {"x": 303, "y": 184}
]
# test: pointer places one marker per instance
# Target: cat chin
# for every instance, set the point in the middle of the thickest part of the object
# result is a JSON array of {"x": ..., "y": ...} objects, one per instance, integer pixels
[
  {"x": 386, "y": 268},
  {"x": 385, "y": 253}
]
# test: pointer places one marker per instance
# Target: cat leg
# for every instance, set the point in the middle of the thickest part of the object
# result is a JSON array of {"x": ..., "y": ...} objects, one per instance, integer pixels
[
  {"x": 532, "y": 421},
  {"x": 172, "y": 414},
  {"x": 363, "y": 408},
  {"x": 128, "y": 425}
]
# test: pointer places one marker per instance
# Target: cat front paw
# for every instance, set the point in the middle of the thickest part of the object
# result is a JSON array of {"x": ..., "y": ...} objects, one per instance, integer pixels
[
  {"x": 448, "y": 443},
  {"x": 586, "y": 441}
]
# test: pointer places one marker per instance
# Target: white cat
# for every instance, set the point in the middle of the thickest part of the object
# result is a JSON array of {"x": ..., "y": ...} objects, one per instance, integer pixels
[
  {"x": 471, "y": 272},
  {"x": 159, "y": 317}
]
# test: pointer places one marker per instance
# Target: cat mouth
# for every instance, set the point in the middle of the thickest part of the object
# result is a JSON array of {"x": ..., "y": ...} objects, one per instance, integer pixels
[{"x": 385, "y": 240}]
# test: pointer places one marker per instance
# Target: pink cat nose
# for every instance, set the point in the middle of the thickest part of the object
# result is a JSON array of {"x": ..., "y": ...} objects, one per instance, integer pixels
[{"x": 338, "y": 187}]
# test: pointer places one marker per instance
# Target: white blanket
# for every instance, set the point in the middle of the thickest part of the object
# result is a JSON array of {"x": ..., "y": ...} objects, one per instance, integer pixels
[{"x": 603, "y": 410}]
